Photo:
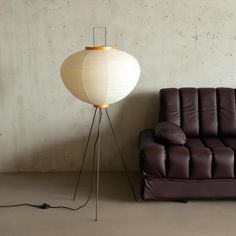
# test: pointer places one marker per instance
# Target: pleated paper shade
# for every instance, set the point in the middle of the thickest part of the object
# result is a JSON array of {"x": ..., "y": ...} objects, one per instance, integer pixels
[{"x": 100, "y": 75}]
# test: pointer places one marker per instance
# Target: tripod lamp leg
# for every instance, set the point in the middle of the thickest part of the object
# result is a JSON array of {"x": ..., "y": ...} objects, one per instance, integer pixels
[{"x": 84, "y": 156}]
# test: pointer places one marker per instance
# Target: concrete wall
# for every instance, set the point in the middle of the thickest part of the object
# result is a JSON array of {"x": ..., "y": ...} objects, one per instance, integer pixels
[{"x": 43, "y": 128}]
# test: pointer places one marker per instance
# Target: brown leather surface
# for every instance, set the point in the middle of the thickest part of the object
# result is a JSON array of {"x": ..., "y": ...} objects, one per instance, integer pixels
[
  {"x": 223, "y": 158},
  {"x": 208, "y": 112},
  {"x": 205, "y": 166},
  {"x": 178, "y": 158},
  {"x": 169, "y": 133},
  {"x": 146, "y": 137},
  {"x": 200, "y": 112},
  {"x": 212, "y": 142},
  {"x": 205, "y": 158},
  {"x": 201, "y": 159},
  {"x": 170, "y": 189},
  {"x": 153, "y": 158},
  {"x": 189, "y": 111},
  {"x": 223, "y": 162},
  {"x": 230, "y": 142},
  {"x": 226, "y": 112},
  {"x": 170, "y": 104},
  {"x": 201, "y": 163}
]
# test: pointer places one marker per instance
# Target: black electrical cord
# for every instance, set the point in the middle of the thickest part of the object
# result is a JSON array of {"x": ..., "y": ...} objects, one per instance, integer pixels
[{"x": 46, "y": 205}]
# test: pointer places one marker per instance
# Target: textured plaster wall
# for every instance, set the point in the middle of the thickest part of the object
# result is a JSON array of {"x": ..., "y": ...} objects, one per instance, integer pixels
[{"x": 43, "y": 128}]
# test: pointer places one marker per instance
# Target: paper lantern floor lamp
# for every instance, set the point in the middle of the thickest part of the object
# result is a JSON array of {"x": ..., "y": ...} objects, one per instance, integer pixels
[{"x": 100, "y": 75}]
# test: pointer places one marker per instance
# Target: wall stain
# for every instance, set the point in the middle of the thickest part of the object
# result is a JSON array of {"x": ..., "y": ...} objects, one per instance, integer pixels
[
  {"x": 148, "y": 20},
  {"x": 195, "y": 37},
  {"x": 19, "y": 100},
  {"x": 27, "y": 3}
]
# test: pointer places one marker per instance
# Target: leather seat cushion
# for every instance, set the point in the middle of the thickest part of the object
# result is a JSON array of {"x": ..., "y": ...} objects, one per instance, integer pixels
[{"x": 206, "y": 158}]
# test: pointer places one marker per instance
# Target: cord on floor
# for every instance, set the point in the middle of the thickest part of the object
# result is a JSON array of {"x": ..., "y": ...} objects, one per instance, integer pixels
[{"x": 47, "y": 206}]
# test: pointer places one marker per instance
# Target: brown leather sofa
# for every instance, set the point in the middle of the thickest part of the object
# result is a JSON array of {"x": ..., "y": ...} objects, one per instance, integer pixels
[{"x": 204, "y": 167}]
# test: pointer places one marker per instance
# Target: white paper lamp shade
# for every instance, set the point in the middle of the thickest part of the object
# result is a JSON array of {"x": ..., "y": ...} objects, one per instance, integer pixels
[{"x": 100, "y": 75}]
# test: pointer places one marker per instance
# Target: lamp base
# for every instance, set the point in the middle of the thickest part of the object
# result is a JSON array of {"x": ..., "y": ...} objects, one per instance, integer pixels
[{"x": 97, "y": 155}]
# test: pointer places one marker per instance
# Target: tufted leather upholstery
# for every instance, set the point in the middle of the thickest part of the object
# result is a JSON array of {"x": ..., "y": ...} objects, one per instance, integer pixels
[
  {"x": 208, "y": 118},
  {"x": 200, "y": 112}
]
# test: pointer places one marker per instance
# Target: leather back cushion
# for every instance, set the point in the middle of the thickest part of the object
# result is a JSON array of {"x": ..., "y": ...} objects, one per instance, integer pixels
[
  {"x": 200, "y": 112},
  {"x": 169, "y": 133}
]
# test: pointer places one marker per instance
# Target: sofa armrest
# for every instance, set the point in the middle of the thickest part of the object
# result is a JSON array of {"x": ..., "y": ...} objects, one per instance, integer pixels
[
  {"x": 146, "y": 137},
  {"x": 153, "y": 155}
]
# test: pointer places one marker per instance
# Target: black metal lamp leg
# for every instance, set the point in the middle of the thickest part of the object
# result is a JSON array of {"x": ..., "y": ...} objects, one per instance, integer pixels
[
  {"x": 121, "y": 156},
  {"x": 84, "y": 156},
  {"x": 98, "y": 160}
]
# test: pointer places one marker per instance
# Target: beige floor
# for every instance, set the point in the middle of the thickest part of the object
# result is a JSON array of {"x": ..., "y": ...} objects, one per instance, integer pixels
[{"x": 119, "y": 214}]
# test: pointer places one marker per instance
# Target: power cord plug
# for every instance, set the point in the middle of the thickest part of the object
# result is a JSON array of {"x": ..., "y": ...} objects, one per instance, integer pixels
[{"x": 44, "y": 206}]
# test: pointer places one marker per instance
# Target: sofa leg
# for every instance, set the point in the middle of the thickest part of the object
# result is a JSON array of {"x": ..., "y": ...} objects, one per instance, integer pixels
[{"x": 182, "y": 201}]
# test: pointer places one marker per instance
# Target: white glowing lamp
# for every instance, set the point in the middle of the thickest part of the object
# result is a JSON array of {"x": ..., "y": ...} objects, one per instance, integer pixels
[{"x": 100, "y": 75}]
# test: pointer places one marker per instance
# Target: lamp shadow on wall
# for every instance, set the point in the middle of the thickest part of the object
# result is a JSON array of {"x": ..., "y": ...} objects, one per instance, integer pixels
[{"x": 136, "y": 112}]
